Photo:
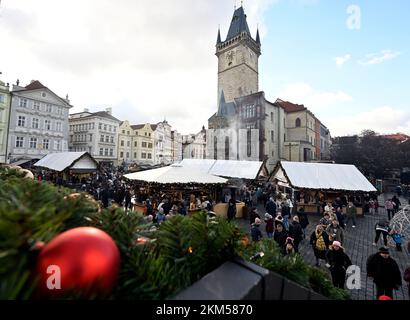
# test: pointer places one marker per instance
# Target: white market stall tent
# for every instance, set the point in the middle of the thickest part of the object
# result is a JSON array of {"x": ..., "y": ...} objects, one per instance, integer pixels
[
  {"x": 227, "y": 168},
  {"x": 174, "y": 174},
  {"x": 73, "y": 161},
  {"x": 321, "y": 176}
]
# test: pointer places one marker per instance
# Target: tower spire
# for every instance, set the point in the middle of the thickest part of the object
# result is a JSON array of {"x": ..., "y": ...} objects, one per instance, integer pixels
[
  {"x": 218, "y": 39},
  {"x": 258, "y": 40}
]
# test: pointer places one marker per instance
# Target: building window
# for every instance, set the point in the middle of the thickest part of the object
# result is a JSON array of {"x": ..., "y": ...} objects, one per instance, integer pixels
[
  {"x": 135, "y": 155},
  {"x": 101, "y": 151},
  {"x": 111, "y": 152},
  {"x": 91, "y": 137},
  {"x": 135, "y": 144},
  {"x": 46, "y": 144},
  {"x": 58, "y": 145},
  {"x": 150, "y": 145},
  {"x": 144, "y": 144},
  {"x": 128, "y": 155},
  {"x": 47, "y": 124},
  {"x": 105, "y": 127},
  {"x": 115, "y": 129},
  {"x": 33, "y": 143},
  {"x": 106, "y": 151},
  {"x": 34, "y": 123},
  {"x": 112, "y": 139},
  {"x": 284, "y": 137},
  {"x": 128, "y": 132},
  {"x": 128, "y": 144},
  {"x": 100, "y": 126},
  {"x": 49, "y": 108},
  {"x": 23, "y": 103},
  {"x": 19, "y": 142},
  {"x": 21, "y": 121},
  {"x": 149, "y": 156},
  {"x": 109, "y": 128},
  {"x": 272, "y": 136},
  {"x": 102, "y": 138},
  {"x": 145, "y": 134},
  {"x": 123, "y": 131},
  {"x": 149, "y": 134},
  {"x": 36, "y": 105},
  {"x": 249, "y": 143},
  {"x": 215, "y": 148},
  {"x": 122, "y": 143},
  {"x": 58, "y": 126},
  {"x": 226, "y": 148},
  {"x": 2, "y": 98},
  {"x": 271, "y": 116},
  {"x": 297, "y": 123},
  {"x": 143, "y": 155},
  {"x": 107, "y": 139},
  {"x": 121, "y": 154}
]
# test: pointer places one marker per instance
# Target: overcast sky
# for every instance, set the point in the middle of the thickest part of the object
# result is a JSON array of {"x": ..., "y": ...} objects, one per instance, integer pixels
[{"x": 154, "y": 59}]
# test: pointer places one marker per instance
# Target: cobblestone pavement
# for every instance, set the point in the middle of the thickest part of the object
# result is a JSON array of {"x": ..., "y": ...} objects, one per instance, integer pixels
[{"x": 358, "y": 245}]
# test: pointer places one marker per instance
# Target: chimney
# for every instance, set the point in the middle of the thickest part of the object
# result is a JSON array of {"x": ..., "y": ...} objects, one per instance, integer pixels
[{"x": 108, "y": 110}]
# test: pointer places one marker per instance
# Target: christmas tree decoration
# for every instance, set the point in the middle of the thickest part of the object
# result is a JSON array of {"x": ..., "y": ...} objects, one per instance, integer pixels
[{"x": 84, "y": 261}]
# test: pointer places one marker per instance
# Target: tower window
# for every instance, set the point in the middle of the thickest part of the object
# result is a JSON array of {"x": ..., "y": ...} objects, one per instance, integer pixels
[
  {"x": 297, "y": 123},
  {"x": 215, "y": 148},
  {"x": 226, "y": 148},
  {"x": 249, "y": 143}
]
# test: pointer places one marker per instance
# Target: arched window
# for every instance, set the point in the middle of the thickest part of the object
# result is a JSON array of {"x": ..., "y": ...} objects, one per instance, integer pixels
[
  {"x": 215, "y": 148},
  {"x": 248, "y": 143},
  {"x": 226, "y": 148},
  {"x": 298, "y": 124}
]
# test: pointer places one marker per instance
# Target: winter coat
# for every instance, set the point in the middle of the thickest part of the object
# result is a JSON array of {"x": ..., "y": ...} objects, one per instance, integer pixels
[
  {"x": 396, "y": 202},
  {"x": 269, "y": 225},
  {"x": 303, "y": 219},
  {"x": 231, "y": 211},
  {"x": 382, "y": 226},
  {"x": 336, "y": 233},
  {"x": 280, "y": 237},
  {"x": 295, "y": 231},
  {"x": 384, "y": 271},
  {"x": 285, "y": 211},
  {"x": 389, "y": 205},
  {"x": 338, "y": 260},
  {"x": 351, "y": 211},
  {"x": 319, "y": 253},
  {"x": 256, "y": 234},
  {"x": 271, "y": 208}
]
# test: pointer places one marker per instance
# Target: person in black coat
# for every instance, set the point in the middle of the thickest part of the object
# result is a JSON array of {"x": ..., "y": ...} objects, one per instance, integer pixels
[
  {"x": 280, "y": 236},
  {"x": 296, "y": 232},
  {"x": 303, "y": 220},
  {"x": 254, "y": 214},
  {"x": 397, "y": 203},
  {"x": 319, "y": 241},
  {"x": 384, "y": 271},
  {"x": 271, "y": 207},
  {"x": 338, "y": 262},
  {"x": 231, "y": 209}
]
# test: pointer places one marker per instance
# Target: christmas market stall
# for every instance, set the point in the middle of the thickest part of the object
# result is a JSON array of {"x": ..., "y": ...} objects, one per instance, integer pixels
[
  {"x": 178, "y": 183},
  {"x": 66, "y": 165},
  {"x": 312, "y": 185}
]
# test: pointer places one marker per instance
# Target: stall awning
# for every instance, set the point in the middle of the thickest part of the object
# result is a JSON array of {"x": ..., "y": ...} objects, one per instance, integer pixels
[
  {"x": 227, "y": 168},
  {"x": 321, "y": 176},
  {"x": 77, "y": 161},
  {"x": 175, "y": 174}
]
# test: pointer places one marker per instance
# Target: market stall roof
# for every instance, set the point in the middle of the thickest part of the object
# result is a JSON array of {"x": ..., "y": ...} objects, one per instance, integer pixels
[
  {"x": 175, "y": 174},
  {"x": 227, "y": 168},
  {"x": 60, "y": 161},
  {"x": 321, "y": 176}
]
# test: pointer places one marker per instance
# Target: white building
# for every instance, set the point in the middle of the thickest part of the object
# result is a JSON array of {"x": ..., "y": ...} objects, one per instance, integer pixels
[
  {"x": 194, "y": 145},
  {"x": 96, "y": 133},
  {"x": 38, "y": 122},
  {"x": 163, "y": 143}
]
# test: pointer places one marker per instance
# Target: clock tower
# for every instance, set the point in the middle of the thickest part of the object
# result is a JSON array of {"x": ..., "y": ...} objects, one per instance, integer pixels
[{"x": 237, "y": 60}]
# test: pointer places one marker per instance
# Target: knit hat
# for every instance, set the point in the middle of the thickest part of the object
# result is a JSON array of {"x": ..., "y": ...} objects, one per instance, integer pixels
[
  {"x": 258, "y": 221},
  {"x": 337, "y": 244},
  {"x": 384, "y": 250}
]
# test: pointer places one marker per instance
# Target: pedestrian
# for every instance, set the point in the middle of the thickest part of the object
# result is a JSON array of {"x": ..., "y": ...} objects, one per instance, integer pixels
[
  {"x": 289, "y": 247},
  {"x": 128, "y": 197},
  {"x": 406, "y": 278},
  {"x": 396, "y": 236},
  {"x": 278, "y": 220},
  {"x": 372, "y": 207},
  {"x": 335, "y": 232},
  {"x": 254, "y": 214},
  {"x": 385, "y": 272},
  {"x": 338, "y": 262},
  {"x": 160, "y": 216},
  {"x": 280, "y": 236},
  {"x": 303, "y": 220},
  {"x": 389, "y": 206},
  {"x": 256, "y": 233},
  {"x": 271, "y": 207},
  {"x": 340, "y": 217},
  {"x": 325, "y": 221},
  {"x": 329, "y": 207},
  {"x": 382, "y": 228},
  {"x": 286, "y": 214},
  {"x": 319, "y": 241},
  {"x": 397, "y": 205},
  {"x": 231, "y": 209},
  {"x": 351, "y": 213},
  {"x": 296, "y": 232},
  {"x": 269, "y": 225}
]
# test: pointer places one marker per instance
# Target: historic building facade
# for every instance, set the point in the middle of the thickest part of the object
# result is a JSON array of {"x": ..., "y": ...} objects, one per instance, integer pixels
[
  {"x": 177, "y": 152},
  {"x": 246, "y": 125},
  {"x": 5, "y": 102},
  {"x": 163, "y": 143},
  {"x": 194, "y": 145},
  {"x": 96, "y": 133},
  {"x": 38, "y": 122}
]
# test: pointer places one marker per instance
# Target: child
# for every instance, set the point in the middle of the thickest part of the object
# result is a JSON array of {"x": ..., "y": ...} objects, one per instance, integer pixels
[{"x": 397, "y": 239}]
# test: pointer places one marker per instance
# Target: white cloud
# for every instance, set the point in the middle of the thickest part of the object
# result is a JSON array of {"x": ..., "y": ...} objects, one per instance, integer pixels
[
  {"x": 313, "y": 99},
  {"x": 377, "y": 58},
  {"x": 382, "y": 120},
  {"x": 340, "y": 61},
  {"x": 147, "y": 59}
]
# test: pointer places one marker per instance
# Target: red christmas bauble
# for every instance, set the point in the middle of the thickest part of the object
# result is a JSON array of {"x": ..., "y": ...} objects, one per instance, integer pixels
[{"x": 82, "y": 261}]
